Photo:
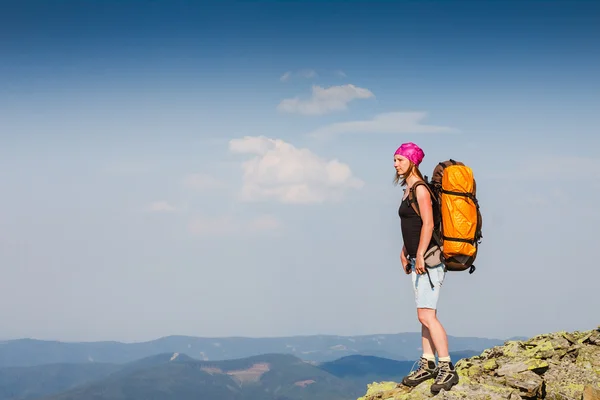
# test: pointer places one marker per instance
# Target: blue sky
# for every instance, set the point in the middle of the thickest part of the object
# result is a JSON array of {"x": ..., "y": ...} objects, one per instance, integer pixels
[{"x": 217, "y": 169}]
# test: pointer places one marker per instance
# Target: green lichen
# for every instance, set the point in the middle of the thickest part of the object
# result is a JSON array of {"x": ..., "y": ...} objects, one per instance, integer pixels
[
  {"x": 534, "y": 364},
  {"x": 411, "y": 396},
  {"x": 568, "y": 336},
  {"x": 573, "y": 390},
  {"x": 465, "y": 373},
  {"x": 377, "y": 387},
  {"x": 543, "y": 349},
  {"x": 490, "y": 365},
  {"x": 584, "y": 336},
  {"x": 497, "y": 389},
  {"x": 474, "y": 370},
  {"x": 462, "y": 368},
  {"x": 486, "y": 353},
  {"x": 512, "y": 348},
  {"x": 589, "y": 358}
]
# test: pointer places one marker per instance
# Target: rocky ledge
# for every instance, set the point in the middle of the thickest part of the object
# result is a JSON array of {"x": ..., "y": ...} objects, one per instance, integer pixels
[{"x": 557, "y": 366}]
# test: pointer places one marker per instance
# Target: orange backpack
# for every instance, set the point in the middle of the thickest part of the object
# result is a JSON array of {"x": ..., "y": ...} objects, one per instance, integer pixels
[{"x": 457, "y": 218}]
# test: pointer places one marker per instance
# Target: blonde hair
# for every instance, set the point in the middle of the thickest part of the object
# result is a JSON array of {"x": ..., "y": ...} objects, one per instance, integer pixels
[{"x": 412, "y": 169}]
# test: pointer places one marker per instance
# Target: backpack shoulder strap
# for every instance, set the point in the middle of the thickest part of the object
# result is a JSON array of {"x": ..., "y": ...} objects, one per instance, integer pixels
[
  {"x": 412, "y": 199},
  {"x": 412, "y": 196}
]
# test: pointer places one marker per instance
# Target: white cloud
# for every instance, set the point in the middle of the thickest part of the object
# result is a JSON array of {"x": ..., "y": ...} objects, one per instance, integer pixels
[
  {"x": 160, "y": 206},
  {"x": 392, "y": 122},
  {"x": 307, "y": 73},
  {"x": 251, "y": 145},
  {"x": 282, "y": 172},
  {"x": 325, "y": 100},
  {"x": 228, "y": 225},
  {"x": 285, "y": 77},
  {"x": 303, "y": 73},
  {"x": 202, "y": 181}
]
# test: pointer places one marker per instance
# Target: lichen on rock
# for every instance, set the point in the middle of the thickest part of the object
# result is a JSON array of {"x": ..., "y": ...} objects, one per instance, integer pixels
[{"x": 555, "y": 366}]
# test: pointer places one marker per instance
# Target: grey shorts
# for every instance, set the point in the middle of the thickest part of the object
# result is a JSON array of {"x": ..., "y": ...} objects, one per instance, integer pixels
[{"x": 425, "y": 296}]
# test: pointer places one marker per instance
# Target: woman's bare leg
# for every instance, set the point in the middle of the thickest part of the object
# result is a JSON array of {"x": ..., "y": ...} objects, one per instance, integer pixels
[
  {"x": 435, "y": 330},
  {"x": 428, "y": 346}
]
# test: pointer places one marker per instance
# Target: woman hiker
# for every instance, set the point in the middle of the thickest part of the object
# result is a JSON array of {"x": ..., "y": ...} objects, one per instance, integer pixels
[{"x": 427, "y": 281}]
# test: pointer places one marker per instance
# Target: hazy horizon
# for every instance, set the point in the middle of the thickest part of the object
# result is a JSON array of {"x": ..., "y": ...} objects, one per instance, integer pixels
[{"x": 212, "y": 170}]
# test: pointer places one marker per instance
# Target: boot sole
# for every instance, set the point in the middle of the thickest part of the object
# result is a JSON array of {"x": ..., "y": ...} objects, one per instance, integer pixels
[
  {"x": 446, "y": 386},
  {"x": 417, "y": 383}
]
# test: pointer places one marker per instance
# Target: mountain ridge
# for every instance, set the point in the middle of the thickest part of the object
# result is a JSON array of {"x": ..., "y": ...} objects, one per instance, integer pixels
[
  {"x": 269, "y": 376},
  {"x": 53, "y": 379},
  {"x": 317, "y": 348},
  {"x": 513, "y": 370}
]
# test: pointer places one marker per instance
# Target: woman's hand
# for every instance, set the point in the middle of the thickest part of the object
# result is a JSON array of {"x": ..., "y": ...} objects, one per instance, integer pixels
[
  {"x": 404, "y": 263},
  {"x": 420, "y": 264}
]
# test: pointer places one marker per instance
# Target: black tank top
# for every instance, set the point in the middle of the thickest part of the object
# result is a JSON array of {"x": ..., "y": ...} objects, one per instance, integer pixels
[{"x": 411, "y": 225}]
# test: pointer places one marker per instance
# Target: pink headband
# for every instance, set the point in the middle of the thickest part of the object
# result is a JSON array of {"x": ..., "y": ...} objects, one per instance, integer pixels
[{"x": 412, "y": 152}]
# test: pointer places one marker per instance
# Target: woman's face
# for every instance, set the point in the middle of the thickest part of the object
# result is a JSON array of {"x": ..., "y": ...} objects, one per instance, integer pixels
[{"x": 401, "y": 164}]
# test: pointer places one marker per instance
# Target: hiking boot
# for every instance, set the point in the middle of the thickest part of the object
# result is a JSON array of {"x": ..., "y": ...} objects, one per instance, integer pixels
[
  {"x": 425, "y": 371},
  {"x": 446, "y": 377}
]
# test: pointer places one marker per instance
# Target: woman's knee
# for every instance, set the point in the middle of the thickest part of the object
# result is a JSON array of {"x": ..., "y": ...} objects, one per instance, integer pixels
[{"x": 426, "y": 316}]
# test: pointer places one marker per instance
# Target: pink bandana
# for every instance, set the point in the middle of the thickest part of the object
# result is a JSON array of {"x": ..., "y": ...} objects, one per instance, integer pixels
[{"x": 412, "y": 152}]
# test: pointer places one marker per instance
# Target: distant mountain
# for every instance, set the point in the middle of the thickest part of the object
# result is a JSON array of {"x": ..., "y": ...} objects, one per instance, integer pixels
[
  {"x": 33, "y": 382},
  {"x": 265, "y": 377},
  {"x": 43, "y": 380},
  {"x": 517, "y": 338},
  {"x": 363, "y": 370},
  {"x": 176, "y": 374},
  {"x": 317, "y": 348}
]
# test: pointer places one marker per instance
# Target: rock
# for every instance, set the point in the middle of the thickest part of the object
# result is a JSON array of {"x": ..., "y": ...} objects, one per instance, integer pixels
[
  {"x": 512, "y": 368},
  {"x": 384, "y": 390},
  {"x": 520, "y": 366},
  {"x": 585, "y": 337},
  {"x": 490, "y": 365},
  {"x": 555, "y": 366},
  {"x": 591, "y": 393},
  {"x": 595, "y": 338},
  {"x": 529, "y": 383},
  {"x": 588, "y": 357},
  {"x": 569, "y": 337}
]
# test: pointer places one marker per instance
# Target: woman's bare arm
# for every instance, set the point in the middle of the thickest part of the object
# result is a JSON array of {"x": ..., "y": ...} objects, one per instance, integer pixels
[{"x": 425, "y": 208}]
